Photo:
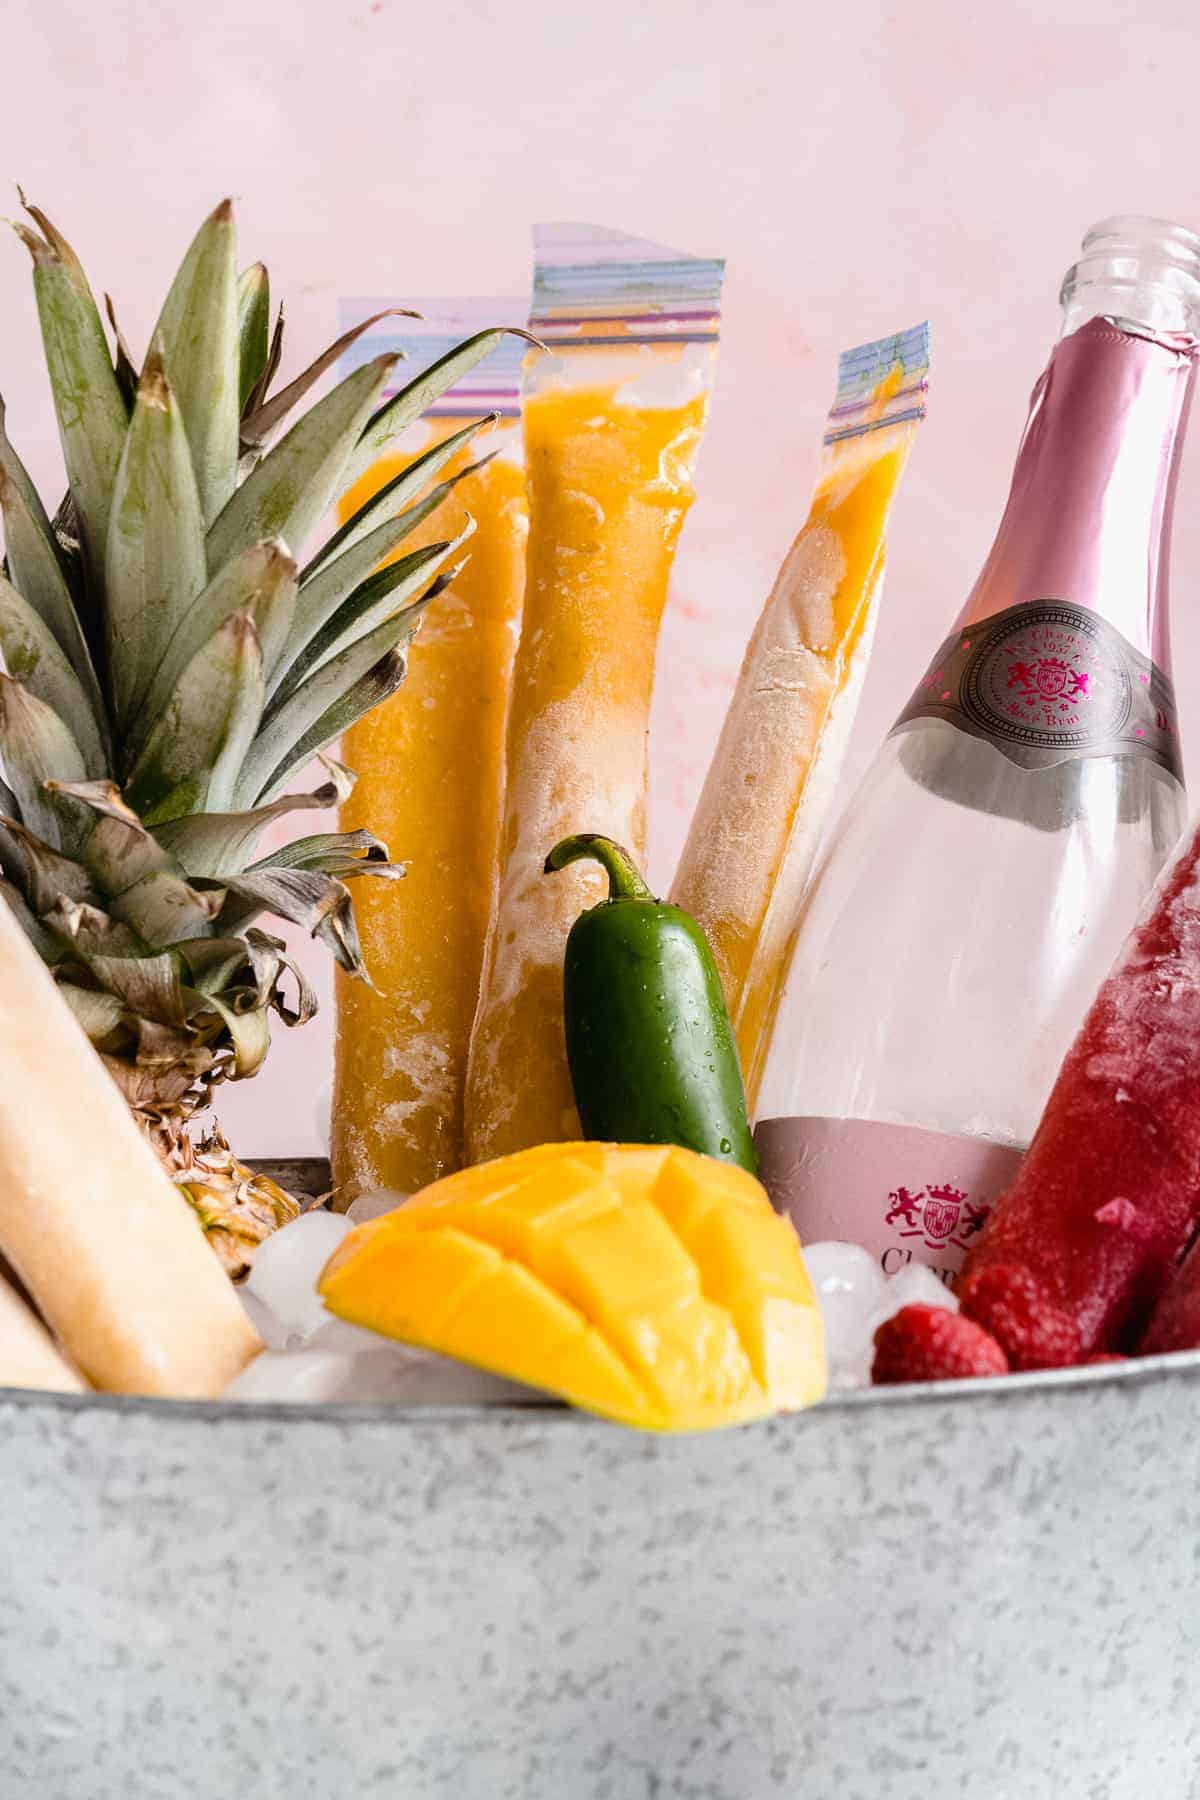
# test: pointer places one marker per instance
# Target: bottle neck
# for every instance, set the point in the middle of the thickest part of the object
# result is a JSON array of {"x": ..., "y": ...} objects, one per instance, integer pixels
[{"x": 1088, "y": 518}]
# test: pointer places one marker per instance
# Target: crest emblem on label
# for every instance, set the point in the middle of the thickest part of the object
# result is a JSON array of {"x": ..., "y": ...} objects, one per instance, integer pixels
[
  {"x": 1048, "y": 681},
  {"x": 939, "y": 1214}
]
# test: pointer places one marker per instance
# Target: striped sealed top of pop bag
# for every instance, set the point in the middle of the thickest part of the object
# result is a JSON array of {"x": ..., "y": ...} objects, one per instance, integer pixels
[
  {"x": 882, "y": 383},
  {"x": 493, "y": 385},
  {"x": 592, "y": 285}
]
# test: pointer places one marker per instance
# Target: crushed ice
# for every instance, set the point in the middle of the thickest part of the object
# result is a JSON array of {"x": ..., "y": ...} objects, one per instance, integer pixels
[
  {"x": 311, "y": 1356},
  {"x": 856, "y": 1298}
]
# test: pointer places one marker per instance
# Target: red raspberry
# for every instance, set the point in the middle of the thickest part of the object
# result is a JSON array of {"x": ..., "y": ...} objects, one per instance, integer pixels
[
  {"x": 931, "y": 1343},
  {"x": 1034, "y": 1331}
]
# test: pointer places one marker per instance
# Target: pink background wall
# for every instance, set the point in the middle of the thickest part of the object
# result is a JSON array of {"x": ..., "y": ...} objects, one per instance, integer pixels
[{"x": 860, "y": 165}]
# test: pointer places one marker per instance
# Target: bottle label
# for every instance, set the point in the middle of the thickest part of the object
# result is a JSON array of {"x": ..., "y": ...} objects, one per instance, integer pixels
[
  {"x": 1047, "y": 682},
  {"x": 904, "y": 1193}
]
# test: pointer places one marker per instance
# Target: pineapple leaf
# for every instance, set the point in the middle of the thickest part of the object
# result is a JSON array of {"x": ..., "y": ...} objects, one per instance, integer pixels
[
  {"x": 92, "y": 931},
  {"x": 149, "y": 986},
  {"x": 163, "y": 909},
  {"x": 293, "y": 485},
  {"x": 378, "y": 598},
  {"x": 87, "y": 399},
  {"x": 397, "y": 493},
  {"x": 254, "y": 313},
  {"x": 274, "y": 355},
  {"x": 341, "y": 853},
  {"x": 43, "y": 941},
  {"x": 221, "y": 843},
  {"x": 406, "y": 406},
  {"x": 257, "y": 426},
  {"x": 247, "y": 972},
  {"x": 45, "y": 944},
  {"x": 195, "y": 749},
  {"x": 324, "y": 592},
  {"x": 126, "y": 368},
  {"x": 249, "y": 1033},
  {"x": 261, "y": 581},
  {"x": 36, "y": 565},
  {"x": 104, "y": 798},
  {"x": 31, "y": 655},
  {"x": 119, "y": 852},
  {"x": 198, "y": 334},
  {"x": 56, "y": 240},
  {"x": 294, "y": 732},
  {"x": 269, "y": 958},
  {"x": 320, "y": 903},
  {"x": 155, "y": 566},
  {"x": 368, "y": 692},
  {"x": 215, "y": 965},
  {"x": 16, "y": 471},
  {"x": 40, "y": 872},
  {"x": 36, "y": 747},
  {"x": 102, "y": 1016}
]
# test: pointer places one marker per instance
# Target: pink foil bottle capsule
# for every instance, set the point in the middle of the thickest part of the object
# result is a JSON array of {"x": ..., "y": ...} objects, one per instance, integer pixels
[{"x": 987, "y": 871}]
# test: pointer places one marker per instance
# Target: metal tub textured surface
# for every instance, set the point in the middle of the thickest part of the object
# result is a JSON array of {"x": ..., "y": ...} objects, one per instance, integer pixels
[{"x": 989, "y": 1592}]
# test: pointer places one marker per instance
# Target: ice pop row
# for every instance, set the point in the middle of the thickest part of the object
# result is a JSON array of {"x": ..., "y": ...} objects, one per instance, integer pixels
[
  {"x": 526, "y": 712},
  {"x": 525, "y": 716}
]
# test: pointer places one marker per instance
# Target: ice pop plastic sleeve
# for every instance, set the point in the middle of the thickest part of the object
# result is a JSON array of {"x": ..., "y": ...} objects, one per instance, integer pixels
[
  {"x": 430, "y": 772},
  {"x": 767, "y": 796},
  {"x": 613, "y": 414}
]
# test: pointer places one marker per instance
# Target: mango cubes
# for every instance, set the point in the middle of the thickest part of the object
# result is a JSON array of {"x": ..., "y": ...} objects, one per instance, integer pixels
[{"x": 650, "y": 1285}]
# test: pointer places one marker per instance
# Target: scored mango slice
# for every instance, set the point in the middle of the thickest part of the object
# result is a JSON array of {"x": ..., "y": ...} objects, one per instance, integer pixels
[{"x": 650, "y": 1285}]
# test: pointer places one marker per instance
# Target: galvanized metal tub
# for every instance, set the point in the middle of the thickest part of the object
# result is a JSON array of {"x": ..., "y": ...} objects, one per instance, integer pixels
[{"x": 988, "y": 1590}]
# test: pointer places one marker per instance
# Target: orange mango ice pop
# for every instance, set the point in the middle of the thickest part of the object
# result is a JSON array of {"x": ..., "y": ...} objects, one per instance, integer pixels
[
  {"x": 766, "y": 798},
  {"x": 430, "y": 767},
  {"x": 609, "y": 488}
]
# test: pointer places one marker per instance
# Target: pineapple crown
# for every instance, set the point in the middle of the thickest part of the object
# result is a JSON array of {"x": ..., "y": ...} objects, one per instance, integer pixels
[{"x": 169, "y": 668}]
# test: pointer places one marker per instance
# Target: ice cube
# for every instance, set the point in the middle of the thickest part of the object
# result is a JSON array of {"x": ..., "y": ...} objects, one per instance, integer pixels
[
  {"x": 417, "y": 1378},
  {"x": 338, "y": 1336},
  {"x": 292, "y": 1375},
  {"x": 916, "y": 1285},
  {"x": 340, "y": 1362},
  {"x": 851, "y": 1288},
  {"x": 273, "y": 1332},
  {"x": 375, "y": 1204},
  {"x": 283, "y": 1279},
  {"x": 838, "y": 1268}
]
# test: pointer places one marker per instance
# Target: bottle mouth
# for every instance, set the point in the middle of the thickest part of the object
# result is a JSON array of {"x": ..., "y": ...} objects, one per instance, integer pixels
[{"x": 1143, "y": 270}]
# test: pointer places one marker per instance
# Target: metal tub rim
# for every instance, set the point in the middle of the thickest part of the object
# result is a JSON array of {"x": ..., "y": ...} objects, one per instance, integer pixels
[{"x": 1138, "y": 1372}]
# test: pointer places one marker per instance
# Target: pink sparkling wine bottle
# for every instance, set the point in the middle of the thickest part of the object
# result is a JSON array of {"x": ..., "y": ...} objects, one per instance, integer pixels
[{"x": 987, "y": 871}]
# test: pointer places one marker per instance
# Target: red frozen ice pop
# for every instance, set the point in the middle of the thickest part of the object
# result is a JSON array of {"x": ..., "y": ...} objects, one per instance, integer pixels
[
  {"x": 1175, "y": 1322},
  {"x": 1109, "y": 1193}
]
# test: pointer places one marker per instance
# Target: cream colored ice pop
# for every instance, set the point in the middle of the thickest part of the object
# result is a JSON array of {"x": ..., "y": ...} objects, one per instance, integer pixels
[
  {"x": 109, "y": 1249},
  {"x": 767, "y": 795},
  {"x": 28, "y": 1355},
  {"x": 613, "y": 422},
  {"x": 609, "y": 486}
]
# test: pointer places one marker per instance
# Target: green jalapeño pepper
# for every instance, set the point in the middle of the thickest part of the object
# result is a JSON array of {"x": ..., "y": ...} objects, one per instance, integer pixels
[{"x": 652, "y": 1053}]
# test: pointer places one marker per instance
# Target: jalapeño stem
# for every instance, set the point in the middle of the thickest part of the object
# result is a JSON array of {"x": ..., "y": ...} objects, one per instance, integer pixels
[{"x": 624, "y": 881}]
